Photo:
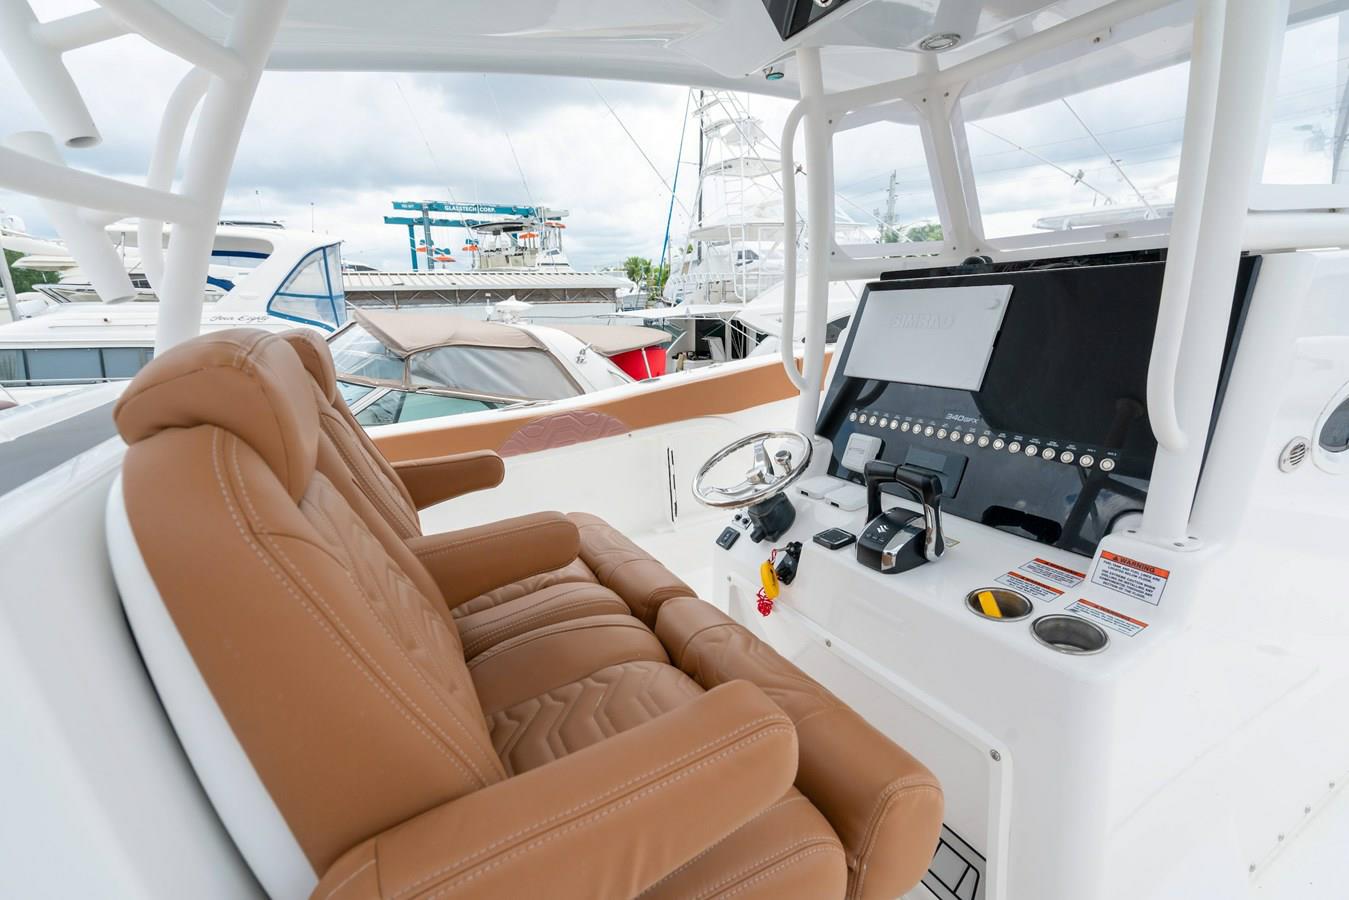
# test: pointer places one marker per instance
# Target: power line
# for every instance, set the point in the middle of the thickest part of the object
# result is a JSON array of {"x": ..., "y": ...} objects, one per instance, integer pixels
[
  {"x": 509, "y": 143},
  {"x": 418, "y": 125},
  {"x": 1152, "y": 213},
  {"x": 1077, "y": 179},
  {"x": 684, "y": 209}
]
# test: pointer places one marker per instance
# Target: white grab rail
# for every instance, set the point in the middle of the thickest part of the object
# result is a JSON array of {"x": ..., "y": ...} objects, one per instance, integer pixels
[
  {"x": 1185, "y": 221},
  {"x": 1193, "y": 325},
  {"x": 164, "y": 162},
  {"x": 788, "y": 338}
]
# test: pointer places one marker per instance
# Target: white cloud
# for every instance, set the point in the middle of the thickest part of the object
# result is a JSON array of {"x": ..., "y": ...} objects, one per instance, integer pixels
[{"x": 349, "y": 143}]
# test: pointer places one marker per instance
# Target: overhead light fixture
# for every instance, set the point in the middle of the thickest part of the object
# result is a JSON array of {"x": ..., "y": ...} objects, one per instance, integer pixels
[
  {"x": 772, "y": 73},
  {"x": 936, "y": 43}
]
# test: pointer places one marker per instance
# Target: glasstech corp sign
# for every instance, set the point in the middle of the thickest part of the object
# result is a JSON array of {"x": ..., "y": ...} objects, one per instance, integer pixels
[{"x": 482, "y": 209}]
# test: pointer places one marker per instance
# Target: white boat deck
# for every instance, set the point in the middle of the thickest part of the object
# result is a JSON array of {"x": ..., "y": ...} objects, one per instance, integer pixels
[
  {"x": 1313, "y": 862},
  {"x": 686, "y": 549}
]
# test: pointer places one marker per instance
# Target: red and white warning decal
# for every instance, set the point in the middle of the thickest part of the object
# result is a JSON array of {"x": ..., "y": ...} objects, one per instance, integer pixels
[
  {"x": 1130, "y": 577},
  {"x": 1029, "y": 586},
  {"x": 1041, "y": 579},
  {"x": 1051, "y": 573},
  {"x": 1102, "y": 615}
]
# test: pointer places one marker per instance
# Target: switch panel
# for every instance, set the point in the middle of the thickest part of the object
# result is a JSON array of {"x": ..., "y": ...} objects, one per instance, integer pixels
[{"x": 861, "y": 449}]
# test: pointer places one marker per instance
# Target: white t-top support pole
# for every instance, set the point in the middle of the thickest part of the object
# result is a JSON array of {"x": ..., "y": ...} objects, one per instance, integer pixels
[
  {"x": 37, "y": 63},
  {"x": 214, "y": 143},
  {"x": 164, "y": 163},
  {"x": 1210, "y": 220},
  {"x": 81, "y": 229},
  {"x": 819, "y": 232}
]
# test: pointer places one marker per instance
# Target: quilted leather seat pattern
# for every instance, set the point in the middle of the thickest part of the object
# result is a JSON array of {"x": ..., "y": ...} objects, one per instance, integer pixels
[
  {"x": 556, "y": 603},
  {"x": 576, "y": 571},
  {"x": 575, "y": 715}
]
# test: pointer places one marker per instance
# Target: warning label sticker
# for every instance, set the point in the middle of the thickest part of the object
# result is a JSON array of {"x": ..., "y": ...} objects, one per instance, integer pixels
[
  {"x": 1131, "y": 577},
  {"x": 1115, "y": 621},
  {"x": 1029, "y": 586},
  {"x": 1051, "y": 573}
]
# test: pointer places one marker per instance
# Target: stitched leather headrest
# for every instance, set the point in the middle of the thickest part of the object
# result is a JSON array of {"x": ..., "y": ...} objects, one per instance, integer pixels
[
  {"x": 317, "y": 358},
  {"x": 248, "y": 382}
]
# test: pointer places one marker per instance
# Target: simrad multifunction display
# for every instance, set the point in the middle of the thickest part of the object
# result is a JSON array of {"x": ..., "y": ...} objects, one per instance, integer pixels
[{"x": 1054, "y": 442}]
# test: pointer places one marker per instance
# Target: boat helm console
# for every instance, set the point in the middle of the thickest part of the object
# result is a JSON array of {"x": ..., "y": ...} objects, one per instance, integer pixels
[
  {"x": 959, "y": 554},
  {"x": 1011, "y": 396}
]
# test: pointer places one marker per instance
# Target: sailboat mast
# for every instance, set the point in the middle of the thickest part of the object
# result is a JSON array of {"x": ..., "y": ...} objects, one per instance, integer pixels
[{"x": 702, "y": 118}]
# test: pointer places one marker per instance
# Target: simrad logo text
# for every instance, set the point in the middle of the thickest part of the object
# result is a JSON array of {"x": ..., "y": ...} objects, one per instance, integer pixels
[{"x": 922, "y": 321}]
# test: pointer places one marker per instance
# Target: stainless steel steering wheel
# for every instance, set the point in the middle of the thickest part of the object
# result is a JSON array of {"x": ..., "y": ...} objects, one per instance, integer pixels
[{"x": 766, "y": 475}]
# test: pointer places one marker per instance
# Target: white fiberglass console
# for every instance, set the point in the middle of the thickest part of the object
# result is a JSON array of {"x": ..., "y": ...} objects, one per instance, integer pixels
[{"x": 1041, "y": 663}]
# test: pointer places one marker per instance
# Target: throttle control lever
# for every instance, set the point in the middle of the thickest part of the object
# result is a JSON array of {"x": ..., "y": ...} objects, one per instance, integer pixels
[{"x": 893, "y": 541}]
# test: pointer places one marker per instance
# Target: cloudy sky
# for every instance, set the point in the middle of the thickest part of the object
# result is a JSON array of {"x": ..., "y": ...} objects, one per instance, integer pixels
[
  {"x": 349, "y": 144},
  {"x": 335, "y": 149}
]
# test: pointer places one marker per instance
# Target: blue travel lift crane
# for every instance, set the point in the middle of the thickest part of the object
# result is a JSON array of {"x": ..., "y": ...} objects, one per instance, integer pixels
[{"x": 426, "y": 222}]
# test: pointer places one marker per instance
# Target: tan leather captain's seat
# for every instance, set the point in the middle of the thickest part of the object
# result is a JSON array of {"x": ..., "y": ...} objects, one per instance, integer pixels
[
  {"x": 320, "y": 689},
  {"x": 502, "y": 579}
]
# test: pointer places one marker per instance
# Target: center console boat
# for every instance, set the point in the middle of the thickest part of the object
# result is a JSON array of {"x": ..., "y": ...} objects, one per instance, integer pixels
[{"x": 1030, "y": 588}]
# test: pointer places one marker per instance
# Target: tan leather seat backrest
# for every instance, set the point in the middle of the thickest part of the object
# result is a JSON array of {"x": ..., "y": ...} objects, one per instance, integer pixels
[
  {"x": 337, "y": 669},
  {"x": 373, "y": 474}
]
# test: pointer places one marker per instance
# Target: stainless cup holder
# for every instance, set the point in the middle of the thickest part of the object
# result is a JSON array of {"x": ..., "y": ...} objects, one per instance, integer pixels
[
  {"x": 1013, "y": 606},
  {"x": 1069, "y": 634}
]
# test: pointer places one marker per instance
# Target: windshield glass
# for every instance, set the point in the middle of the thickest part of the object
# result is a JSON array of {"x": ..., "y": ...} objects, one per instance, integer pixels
[
  {"x": 1048, "y": 158},
  {"x": 313, "y": 293},
  {"x": 352, "y": 392},
  {"x": 357, "y": 352},
  {"x": 1109, "y": 154},
  {"x": 407, "y": 406},
  {"x": 1308, "y": 125}
]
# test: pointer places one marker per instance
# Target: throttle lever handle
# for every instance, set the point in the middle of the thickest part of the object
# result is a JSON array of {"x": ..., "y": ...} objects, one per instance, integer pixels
[{"x": 923, "y": 486}]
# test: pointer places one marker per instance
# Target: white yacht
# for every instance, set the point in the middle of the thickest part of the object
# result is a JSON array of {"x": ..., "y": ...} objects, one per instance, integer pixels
[
  {"x": 731, "y": 256},
  {"x": 239, "y": 249},
  {"x": 1031, "y": 589},
  {"x": 732, "y": 249},
  {"x": 14, "y": 238},
  {"x": 259, "y": 277},
  {"x": 16, "y": 243}
]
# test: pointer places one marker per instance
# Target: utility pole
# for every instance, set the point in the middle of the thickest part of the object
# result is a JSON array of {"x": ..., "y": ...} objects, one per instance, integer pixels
[
  {"x": 887, "y": 222},
  {"x": 890, "y": 199}
]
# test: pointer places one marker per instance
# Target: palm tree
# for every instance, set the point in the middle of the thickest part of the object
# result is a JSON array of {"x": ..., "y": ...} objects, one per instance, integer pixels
[{"x": 637, "y": 268}]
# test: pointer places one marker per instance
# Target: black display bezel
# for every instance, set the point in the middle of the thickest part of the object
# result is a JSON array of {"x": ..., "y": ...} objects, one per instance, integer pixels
[{"x": 1050, "y": 502}]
